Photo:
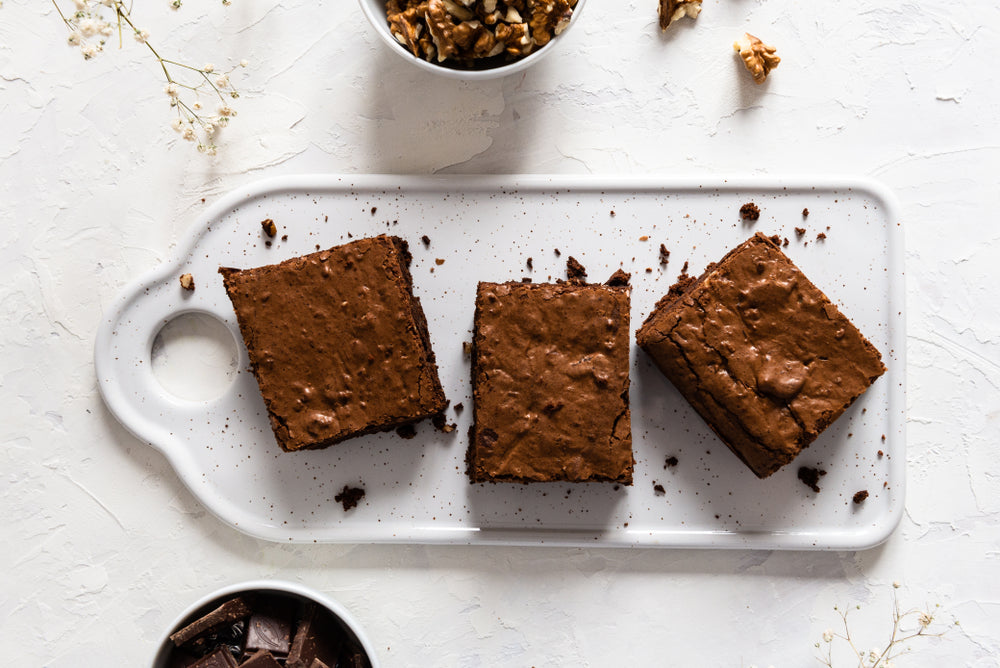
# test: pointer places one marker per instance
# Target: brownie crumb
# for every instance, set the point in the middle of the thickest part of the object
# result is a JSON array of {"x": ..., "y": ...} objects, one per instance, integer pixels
[
  {"x": 270, "y": 229},
  {"x": 684, "y": 270},
  {"x": 750, "y": 211},
  {"x": 649, "y": 270},
  {"x": 612, "y": 213},
  {"x": 441, "y": 423},
  {"x": 268, "y": 243},
  {"x": 439, "y": 261},
  {"x": 187, "y": 281},
  {"x": 821, "y": 236},
  {"x": 805, "y": 213},
  {"x": 530, "y": 263},
  {"x": 426, "y": 239},
  {"x": 575, "y": 271},
  {"x": 671, "y": 462},
  {"x": 466, "y": 347},
  {"x": 284, "y": 237},
  {"x": 349, "y": 497},
  {"x": 459, "y": 407},
  {"x": 800, "y": 231},
  {"x": 406, "y": 431},
  {"x": 659, "y": 490},
  {"x": 785, "y": 242},
  {"x": 557, "y": 252},
  {"x": 810, "y": 477},
  {"x": 883, "y": 438},
  {"x": 775, "y": 239},
  {"x": 374, "y": 209},
  {"x": 881, "y": 454},
  {"x": 526, "y": 279},
  {"x": 859, "y": 497},
  {"x": 619, "y": 279},
  {"x": 664, "y": 254}
]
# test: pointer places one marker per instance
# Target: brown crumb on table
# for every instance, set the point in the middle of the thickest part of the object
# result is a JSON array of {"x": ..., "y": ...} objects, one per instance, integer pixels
[
  {"x": 619, "y": 279},
  {"x": 881, "y": 454},
  {"x": 284, "y": 237},
  {"x": 575, "y": 271},
  {"x": 374, "y": 209},
  {"x": 270, "y": 229},
  {"x": 439, "y": 261},
  {"x": 466, "y": 347},
  {"x": 821, "y": 236},
  {"x": 785, "y": 242},
  {"x": 750, "y": 211},
  {"x": 671, "y": 462},
  {"x": 557, "y": 252},
  {"x": 268, "y": 243},
  {"x": 426, "y": 240},
  {"x": 805, "y": 213},
  {"x": 664, "y": 254},
  {"x": 684, "y": 270},
  {"x": 649, "y": 270},
  {"x": 659, "y": 490},
  {"x": 531, "y": 264},
  {"x": 859, "y": 497},
  {"x": 187, "y": 281},
  {"x": 349, "y": 497},
  {"x": 800, "y": 231},
  {"x": 612, "y": 213},
  {"x": 644, "y": 238},
  {"x": 406, "y": 431},
  {"x": 810, "y": 477},
  {"x": 459, "y": 407}
]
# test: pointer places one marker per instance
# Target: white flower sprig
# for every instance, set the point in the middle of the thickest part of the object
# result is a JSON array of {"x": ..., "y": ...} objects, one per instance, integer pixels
[
  {"x": 903, "y": 630},
  {"x": 94, "y": 21}
]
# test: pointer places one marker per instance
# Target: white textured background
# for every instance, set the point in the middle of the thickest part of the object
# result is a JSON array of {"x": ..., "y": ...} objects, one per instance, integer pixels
[{"x": 102, "y": 546}]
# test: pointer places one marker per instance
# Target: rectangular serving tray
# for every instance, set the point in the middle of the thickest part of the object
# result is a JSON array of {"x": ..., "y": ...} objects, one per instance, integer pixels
[{"x": 487, "y": 228}]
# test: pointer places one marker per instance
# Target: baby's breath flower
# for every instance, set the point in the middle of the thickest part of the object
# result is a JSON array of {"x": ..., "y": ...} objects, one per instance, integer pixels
[
  {"x": 106, "y": 29},
  {"x": 925, "y": 619},
  {"x": 172, "y": 90},
  {"x": 226, "y": 111},
  {"x": 141, "y": 36},
  {"x": 896, "y": 585},
  {"x": 88, "y": 27},
  {"x": 873, "y": 655},
  {"x": 226, "y": 3},
  {"x": 80, "y": 4},
  {"x": 210, "y": 128},
  {"x": 196, "y": 106},
  {"x": 177, "y": 124},
  {"x": 209, "y": 68},
  {"x": 244, "y": 62},
  {"x": 828, "y": 635},
  {"x": 73, "y": 39},
  {"x": 90, "y": 50},
  {"x": 222, "y": 81},
  {"x": 176, "y": 4},
  {"x": 188, "y": 133}
]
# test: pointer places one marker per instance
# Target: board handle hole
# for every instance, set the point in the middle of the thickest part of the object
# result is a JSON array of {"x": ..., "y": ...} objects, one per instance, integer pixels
[{"x": 194, "y": 357}]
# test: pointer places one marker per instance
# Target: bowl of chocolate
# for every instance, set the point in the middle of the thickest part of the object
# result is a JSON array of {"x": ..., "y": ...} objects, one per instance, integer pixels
[
  {"x": 265, "y": 624},
  {"x": 472, "y": 39}
]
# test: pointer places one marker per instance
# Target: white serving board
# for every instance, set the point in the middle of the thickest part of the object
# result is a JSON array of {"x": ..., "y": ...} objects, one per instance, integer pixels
[{"x": 485, "y": 228}]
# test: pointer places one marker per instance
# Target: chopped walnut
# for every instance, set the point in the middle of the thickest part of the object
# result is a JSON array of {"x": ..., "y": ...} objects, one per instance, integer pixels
[
  {"x": 270, "y": 229},
  {"x": 758, "y": 57},
  {"x": 471, "y": 32},
  {"x": 187, "y": 281},
  {"x": 674, "y": 10}
]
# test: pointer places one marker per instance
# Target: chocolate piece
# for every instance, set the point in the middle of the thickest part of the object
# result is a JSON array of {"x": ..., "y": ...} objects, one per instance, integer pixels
[
  {"x": 575, "y": 271},
  {"x": 218, "y": 658},
  {"x": 550, "y": 378},
  {"x": 337, "y": 342},
  {"x": 659, "y": 490},
  {"x": 426, "y": 240},
  {"x": 349, "y": 497},
  {"x": 859, "y": 497},
  {"x": 227, "y": 613},
  {"x": 315, "y": 638},
  {"x": 761, "y": 353},
  {"x": 261, "y": 659},
  {"x": 810, "y": 477},
  {"x": 270, "y": 629},
  {"x": 750, "y": 211}
]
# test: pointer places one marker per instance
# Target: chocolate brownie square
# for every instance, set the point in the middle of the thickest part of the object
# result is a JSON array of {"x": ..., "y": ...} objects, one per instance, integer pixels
[
  {"x": 550, "y": 380},
  {"x": 337, "y": 342},
  {"x": 760, "y": 353}
]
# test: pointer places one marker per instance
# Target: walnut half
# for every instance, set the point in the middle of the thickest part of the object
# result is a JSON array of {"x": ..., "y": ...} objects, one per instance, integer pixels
[
  {"x": 758, "y": 57},
  {"x": 673, "y": 10}
]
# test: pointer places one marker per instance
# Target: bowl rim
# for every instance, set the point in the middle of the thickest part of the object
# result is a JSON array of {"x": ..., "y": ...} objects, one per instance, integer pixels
[
  {"x": 381, "y": 25},
  {"x": 281, "y": 586}
]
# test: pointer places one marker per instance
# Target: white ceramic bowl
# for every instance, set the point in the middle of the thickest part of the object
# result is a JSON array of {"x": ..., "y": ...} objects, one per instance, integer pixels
[
  {"x": 374, "y": 10},
  {"x": 216, "y": 598}
]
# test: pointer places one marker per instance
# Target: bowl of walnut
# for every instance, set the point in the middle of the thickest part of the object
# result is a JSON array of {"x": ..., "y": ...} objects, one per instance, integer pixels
[{"x": 472, "y": 39}]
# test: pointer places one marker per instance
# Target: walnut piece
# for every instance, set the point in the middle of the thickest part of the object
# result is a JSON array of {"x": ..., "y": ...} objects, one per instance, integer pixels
[
  {"x": 674, "y": 10},
  {"x": 270, "y": 229},
  {"x": 477, "y": 33},
  {"x": 187, "y": 281},
  {"x": 758, "y": 57}
]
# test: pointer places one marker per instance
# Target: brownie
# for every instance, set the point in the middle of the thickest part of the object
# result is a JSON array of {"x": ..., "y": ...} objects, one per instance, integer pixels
[
  {"x": 337, "y": 342},
  {"x": 550, "y": 379},
  {"x": 761, "y": 354}
]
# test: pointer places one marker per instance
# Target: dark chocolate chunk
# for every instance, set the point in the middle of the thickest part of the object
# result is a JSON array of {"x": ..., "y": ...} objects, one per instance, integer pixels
[
  {"x": 270, "y": 629},
  {"x": 659, "y": 490},
  {"x": 227, "y": 613},
  {"x": 351, "y": 658},
  {"x": 315, "y": 638},
  {"x": 810, "y": 477},
  {"x": 859, "y": 497},
  {"x": 349, "y": 497},
  {"x": 426, "y": 239},
  {"x": 261, "y": 659},
  {"x": 218, "y": 658}
]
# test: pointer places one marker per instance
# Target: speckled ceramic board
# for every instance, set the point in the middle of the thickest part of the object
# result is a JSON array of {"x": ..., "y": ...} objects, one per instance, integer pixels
[{"x": 487, "y": 228}]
